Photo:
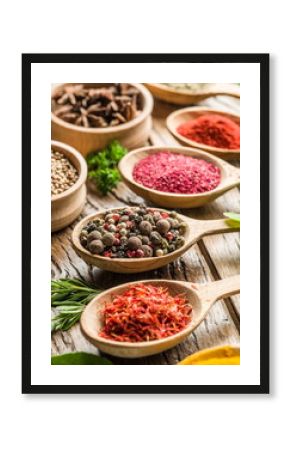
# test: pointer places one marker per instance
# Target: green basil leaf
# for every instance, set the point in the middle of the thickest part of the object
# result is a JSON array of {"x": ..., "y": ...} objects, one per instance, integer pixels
[
  {"x": 78, "y": 359},
  {"x": 232, "y": 216}
]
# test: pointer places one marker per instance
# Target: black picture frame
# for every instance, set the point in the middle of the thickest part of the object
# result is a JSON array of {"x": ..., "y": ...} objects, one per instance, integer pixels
[{"x": 27, "y": 61}]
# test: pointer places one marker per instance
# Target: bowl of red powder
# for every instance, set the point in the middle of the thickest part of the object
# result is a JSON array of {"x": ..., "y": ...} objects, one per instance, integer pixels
[
  {"x": 214, "y": 131},
  {"x": 140, "y": 318},
  {"x": 177, "y": 177}
]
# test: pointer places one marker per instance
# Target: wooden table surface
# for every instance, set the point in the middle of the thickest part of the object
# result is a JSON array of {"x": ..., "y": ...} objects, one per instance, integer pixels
[{"x": 212, "y": 258}]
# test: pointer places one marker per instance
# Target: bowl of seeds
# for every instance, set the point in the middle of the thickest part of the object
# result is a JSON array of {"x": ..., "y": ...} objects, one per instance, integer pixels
[
  {"x": 68, "y": 188},
  {"x": 88, "y": 116}
]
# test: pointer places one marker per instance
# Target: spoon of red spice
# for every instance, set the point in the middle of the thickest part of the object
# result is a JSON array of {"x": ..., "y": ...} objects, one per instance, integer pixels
[
  {"x": 229, "y": 177},
  {"x": 198, "y": 297},
  {"x": 209, "y": 138},
  {"x": 195, "y": 230}
]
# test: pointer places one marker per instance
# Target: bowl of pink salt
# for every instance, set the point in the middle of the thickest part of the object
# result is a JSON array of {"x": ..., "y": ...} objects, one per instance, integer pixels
[{"x": 177, "y": 177}]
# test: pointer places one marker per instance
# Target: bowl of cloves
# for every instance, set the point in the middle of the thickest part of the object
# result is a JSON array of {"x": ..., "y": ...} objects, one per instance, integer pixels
[
  {"x": 68, "y": 185},
  {"x": 88, "y": 116}
]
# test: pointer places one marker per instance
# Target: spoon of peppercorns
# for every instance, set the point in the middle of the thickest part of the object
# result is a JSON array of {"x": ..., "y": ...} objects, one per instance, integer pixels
[{"x": 138, "y": 239}]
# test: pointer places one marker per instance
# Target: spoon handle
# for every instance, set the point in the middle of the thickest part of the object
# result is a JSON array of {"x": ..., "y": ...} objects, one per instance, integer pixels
[
  {"x": 225, "y": 89},
  {"x": 208, "y": 227},
  {"x": 219, "y": 289}
]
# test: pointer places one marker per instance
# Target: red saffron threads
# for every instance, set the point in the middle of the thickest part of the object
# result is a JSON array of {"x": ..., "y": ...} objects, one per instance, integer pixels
[
  {"x": 213, "y": 130},
  {"x": 176, "y": 173},
  {"x": 144, "y": 313}
]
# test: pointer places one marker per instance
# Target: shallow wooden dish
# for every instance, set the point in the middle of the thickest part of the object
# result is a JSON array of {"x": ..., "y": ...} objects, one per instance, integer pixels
[
  {"x": 131, "y": 134},
  {"x": 67, "y": 206},
  {"x": 196, "y": 229},
  {"x": 200, "y": 296},
  {"x": 183, "y": 97},
  {"x": 230, "y": 177},
  {"x": 183, "y": 115}
]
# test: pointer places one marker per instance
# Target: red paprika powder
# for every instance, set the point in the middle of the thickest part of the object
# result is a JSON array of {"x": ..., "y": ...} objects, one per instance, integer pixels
[{"x": 213, "y": 130}]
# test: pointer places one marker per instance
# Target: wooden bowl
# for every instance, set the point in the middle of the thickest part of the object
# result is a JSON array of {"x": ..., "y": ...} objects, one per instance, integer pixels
[
  {"x": 67, "y": 206},
  {"x": 131, "y": 134},
  {"x": 184, "y": 97},
  {"x": 230, "y": 177},
  {"x": 185, "y": 114}
]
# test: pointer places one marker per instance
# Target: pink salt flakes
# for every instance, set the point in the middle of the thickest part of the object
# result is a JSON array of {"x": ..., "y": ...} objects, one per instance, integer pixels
[{"x": 176, "y": 173}]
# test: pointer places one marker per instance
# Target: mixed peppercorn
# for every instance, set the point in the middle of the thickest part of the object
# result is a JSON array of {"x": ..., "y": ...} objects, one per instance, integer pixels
[{"x": 134, "y": 233}]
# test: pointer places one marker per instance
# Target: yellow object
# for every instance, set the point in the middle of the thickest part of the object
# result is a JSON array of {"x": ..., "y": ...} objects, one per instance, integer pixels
[{"x": 217, "y": 356}]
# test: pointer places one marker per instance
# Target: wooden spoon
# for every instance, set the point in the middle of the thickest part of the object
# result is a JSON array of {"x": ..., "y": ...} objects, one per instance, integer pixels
[
  {"x": 185, "y": 97},
  {"x": 185, "y": 114},
  {"x": 230, "y": 177},
  {"x": 196, "y": 229},
  {"x": 200, "y": 296}
]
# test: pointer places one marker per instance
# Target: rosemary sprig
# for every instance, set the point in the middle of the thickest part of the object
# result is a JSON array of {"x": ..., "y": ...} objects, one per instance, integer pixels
[{"x": 70, "y": 297}]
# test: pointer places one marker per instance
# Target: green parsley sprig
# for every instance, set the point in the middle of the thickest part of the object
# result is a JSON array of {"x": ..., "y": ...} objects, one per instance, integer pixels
[{"x": 102, "y": 166}]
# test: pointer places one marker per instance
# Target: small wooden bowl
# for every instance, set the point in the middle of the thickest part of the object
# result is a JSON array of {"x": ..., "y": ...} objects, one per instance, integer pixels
[
  {"x": 185, "y": 114},
  {"x": 230, "y": 177},
  {"x": 67, "y": 206},
  {"x": 184, "y": 97},
  {"x": 131, "y": 134}
]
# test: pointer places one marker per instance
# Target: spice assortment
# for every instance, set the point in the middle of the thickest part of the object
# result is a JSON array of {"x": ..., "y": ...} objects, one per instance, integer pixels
[
  {"x": 213, "y": 130},
  {"x": 176, "y": 173},
  {"x": 134, "y": 233},
  {"x": 63, "y": 174},
  {"x": 107, "y": 106},
  {"x": 144, "y": 313}
]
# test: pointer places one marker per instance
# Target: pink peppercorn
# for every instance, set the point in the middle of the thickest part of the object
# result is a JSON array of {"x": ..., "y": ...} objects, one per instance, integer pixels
[{"x": 176, "y": 173}]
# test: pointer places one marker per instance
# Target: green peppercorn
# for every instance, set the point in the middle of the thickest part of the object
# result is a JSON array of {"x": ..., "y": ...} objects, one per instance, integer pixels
[
  {"x": 158, "y": 252},
  {"x": 164, "y": 243},
  {"x": 149, "y": 218},
  {"x": 155, "y": 238},
  {"x": 123, "y": 232},
  {"x": 134, "y": 243},
  {"x": 96, "y": 247},
  {"x": 180, "y": 241},
  {"x": 108, "y": 239},
  {"x": 182, "y": 227},
  {"x": 171, "y": 248}
]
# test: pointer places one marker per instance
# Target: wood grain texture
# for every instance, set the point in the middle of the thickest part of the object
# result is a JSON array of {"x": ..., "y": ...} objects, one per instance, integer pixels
[{"x": 212, "y": 258}]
